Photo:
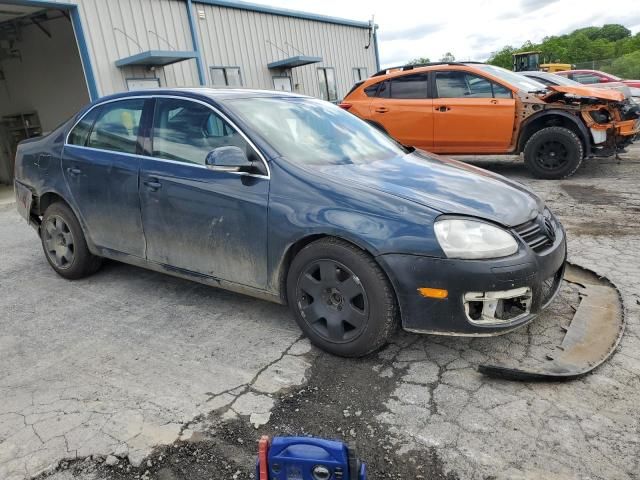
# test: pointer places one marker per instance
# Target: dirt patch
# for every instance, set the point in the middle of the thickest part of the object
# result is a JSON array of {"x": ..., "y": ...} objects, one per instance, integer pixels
[
  {"x": 340, "y": 401},
  {"x": 593, "y": 195}
]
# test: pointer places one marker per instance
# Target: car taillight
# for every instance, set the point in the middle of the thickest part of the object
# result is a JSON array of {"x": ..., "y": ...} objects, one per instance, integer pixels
[{"x": 345, "y": 105}]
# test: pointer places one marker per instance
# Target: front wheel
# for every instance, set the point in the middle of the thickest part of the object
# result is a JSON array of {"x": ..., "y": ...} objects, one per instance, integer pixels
[
  {"x": 553, "y": 153},
  {"x": 340, "y": 298}
]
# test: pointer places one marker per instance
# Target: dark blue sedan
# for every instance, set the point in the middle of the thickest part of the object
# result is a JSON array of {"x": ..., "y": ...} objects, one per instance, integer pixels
[{"x": 296, "y": 201}]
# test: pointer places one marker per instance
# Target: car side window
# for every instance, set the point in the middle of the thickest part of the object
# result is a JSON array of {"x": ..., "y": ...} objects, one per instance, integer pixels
[
  {"x": 586, "y": 78},
  {"x": 410, "y": 86},
  {"x": 187, "y": 131},
  {"x": 80, "y": 133},
  {"x": 458, "y": 84},
  {"x": 384, "y": 91},
  {"x": 116, "y": 128}
]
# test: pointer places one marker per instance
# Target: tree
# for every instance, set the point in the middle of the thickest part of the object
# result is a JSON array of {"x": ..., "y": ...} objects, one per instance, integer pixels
[
  {"x": 614, "y": 32},
  {"x": 448, "y": 57},
  {"x": 610, "y": 47},
  {"x": 502, "y": 58},
  {"x": 419, "y": 61}
]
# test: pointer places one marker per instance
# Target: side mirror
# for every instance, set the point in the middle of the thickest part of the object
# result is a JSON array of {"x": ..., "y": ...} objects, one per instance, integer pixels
[{"x": 228, "y": 159}]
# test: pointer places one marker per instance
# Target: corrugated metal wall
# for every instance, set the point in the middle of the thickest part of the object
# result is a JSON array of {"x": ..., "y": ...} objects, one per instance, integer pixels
[
  {"x": 251, "y": 40},
  {"x": 229, "y": 37},
  {"x": 120, "y": 28}
]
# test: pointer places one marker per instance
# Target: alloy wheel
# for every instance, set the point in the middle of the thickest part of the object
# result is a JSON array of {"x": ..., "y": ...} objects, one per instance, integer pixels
[
  {"x": 58, "y": 242},
  {"x": 332, "y": 300},
  {"x": 552, "y": 155}
]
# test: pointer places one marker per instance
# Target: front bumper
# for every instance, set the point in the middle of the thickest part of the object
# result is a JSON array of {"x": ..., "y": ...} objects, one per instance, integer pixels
[{"x": 525, "y": 270}]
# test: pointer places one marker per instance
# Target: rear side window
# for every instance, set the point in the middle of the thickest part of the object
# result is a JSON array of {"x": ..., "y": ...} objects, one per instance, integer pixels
[
  {"x": 80, "y": 133},
  {"x": 410, "y": 86},
  {"x": 117, "y": 125},
  {"x": 458, "y": 84},
  {"x": 371, "y": 90},
  {"x": 186, "y": 131}
]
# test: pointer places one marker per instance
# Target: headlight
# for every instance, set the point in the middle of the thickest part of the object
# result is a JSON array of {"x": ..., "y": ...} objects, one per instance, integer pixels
[{"x": 472, "y": 239}]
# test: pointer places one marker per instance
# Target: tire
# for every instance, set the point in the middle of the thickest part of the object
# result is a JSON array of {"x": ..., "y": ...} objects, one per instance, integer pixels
[
  {"x": 341, "y": 299},
  {"x": 553, "y": 153},
  {"x": 64, "y": 244}
]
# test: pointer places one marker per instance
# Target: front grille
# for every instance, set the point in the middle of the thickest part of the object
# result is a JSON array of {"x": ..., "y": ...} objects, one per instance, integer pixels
[{"x": 536, "y": 233}]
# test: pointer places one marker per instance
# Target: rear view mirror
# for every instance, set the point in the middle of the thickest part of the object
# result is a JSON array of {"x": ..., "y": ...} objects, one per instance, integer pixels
[{"x": 228, "y": 159}]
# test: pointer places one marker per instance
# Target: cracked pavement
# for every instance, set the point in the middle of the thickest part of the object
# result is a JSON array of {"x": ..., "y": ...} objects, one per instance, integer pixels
[{"x": 128, "y": 360}]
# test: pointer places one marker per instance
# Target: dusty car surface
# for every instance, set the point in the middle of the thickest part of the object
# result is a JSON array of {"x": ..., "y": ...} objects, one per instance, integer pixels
[
  {"x": 293, "y": 200},
  {"x": 472, "y": 108}
]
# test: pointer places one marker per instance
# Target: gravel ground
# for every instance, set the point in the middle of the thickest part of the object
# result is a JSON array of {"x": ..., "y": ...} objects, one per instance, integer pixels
[{"x": 131, "y": 374}]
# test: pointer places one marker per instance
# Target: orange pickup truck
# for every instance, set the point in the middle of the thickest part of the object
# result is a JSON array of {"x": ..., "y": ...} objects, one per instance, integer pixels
[{"x": 474, "y": 108}]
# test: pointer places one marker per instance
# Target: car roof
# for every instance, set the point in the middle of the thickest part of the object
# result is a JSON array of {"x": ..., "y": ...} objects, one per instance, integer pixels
[{"x": 219, "y": 94}]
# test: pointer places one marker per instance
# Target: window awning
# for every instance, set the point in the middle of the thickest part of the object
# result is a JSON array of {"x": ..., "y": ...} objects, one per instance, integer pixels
[
  {"x": 293, "y": 62},
  {"x": 155, "y": 58}
]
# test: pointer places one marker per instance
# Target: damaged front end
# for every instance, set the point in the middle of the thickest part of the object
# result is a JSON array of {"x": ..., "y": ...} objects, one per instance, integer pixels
[{"x": 612, "y": 119}]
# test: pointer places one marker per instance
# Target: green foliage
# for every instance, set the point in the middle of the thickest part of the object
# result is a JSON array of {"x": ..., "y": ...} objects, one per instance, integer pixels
[
  {"x": 419, "y": 61},
  {"x": 448, "y": 57},
  {"x": 611, "y": 48}
]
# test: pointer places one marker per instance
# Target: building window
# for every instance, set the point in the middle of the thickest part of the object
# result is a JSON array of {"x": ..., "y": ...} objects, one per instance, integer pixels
[
  {"x": 359, "y": 74},
  {"x": 327, "y": 79},
  {"x": 226, "y": 77},
  {"x": 282, "y": 84}
]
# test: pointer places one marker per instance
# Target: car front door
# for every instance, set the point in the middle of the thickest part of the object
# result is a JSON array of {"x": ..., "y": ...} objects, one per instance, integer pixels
[
  {"x": 210, "y": 222},
  {"x": 403, "y": 107},
  {"x": 101, "y": 165},
  {"x": 471, "y": 114}
]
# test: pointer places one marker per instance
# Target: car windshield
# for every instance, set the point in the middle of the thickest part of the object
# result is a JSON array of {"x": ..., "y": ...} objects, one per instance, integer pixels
[
  {"x": 314, "y": 132},
  {"x": 515, "y": 79}
]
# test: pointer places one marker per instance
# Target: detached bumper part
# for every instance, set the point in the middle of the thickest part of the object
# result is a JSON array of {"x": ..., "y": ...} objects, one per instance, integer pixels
[{"x": 592, "y": 337}]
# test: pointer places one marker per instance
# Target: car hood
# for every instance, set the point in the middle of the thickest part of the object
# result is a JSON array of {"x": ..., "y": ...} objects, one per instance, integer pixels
[
  {"x": 601, "y": 93},
  {"x": 445, "y": 185}
]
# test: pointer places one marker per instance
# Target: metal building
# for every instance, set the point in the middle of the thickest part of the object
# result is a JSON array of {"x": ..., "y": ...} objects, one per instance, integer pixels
[{"x": 57, "y": 55}]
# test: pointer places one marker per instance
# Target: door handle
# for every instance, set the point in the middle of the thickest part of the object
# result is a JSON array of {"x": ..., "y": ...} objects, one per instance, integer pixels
[
  {"x": 494, "y": 102},
  {"x": 153, "y": 184},
  {"x": 443, "y": 108},
  {"x": 73, "y": 171},
  {"x": 381, "y": 110}
]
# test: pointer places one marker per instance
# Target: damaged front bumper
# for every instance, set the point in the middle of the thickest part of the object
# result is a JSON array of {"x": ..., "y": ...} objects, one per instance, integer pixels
[{"x": 484, "y": 297}]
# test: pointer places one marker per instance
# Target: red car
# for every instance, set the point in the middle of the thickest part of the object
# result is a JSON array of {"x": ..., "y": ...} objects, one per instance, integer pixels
[{"x": 596, "y": 76}]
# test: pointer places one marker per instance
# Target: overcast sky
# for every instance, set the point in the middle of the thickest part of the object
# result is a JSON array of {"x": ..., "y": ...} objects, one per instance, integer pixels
[{"x": 470, "y": 29}]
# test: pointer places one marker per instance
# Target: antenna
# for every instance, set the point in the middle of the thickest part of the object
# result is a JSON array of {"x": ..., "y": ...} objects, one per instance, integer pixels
[{"x": 372, "y": 29}]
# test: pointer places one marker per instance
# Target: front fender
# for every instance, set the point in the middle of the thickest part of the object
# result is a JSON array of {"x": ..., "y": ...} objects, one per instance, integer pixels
[{"x": 525, "y": 128}]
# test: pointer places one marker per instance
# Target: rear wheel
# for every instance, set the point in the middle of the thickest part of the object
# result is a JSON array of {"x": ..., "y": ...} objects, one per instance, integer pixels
[
  {"x": 340, "y": 298},
  {"x": 553, "y": 153},
  {"x": 64, "y": 244}
]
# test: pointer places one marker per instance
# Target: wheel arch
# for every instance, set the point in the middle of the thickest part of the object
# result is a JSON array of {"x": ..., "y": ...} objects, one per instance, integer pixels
[
  {"x": 295, "y": 247},
  {"x": 50, "y": 197},
  {"x": 554, "y": 118}
]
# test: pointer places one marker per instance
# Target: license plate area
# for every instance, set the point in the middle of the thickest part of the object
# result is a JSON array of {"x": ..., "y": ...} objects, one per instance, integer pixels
[{"x": 24, "y": 199}]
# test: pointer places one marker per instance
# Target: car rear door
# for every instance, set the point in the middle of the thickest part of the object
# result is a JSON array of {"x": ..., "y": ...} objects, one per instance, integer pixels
[
  {"x": 472, "y": 114},
  {"x": 210, "y": 222},
  {"x": 101, "y": 164},
  {"x": 403, "y": 107}
]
